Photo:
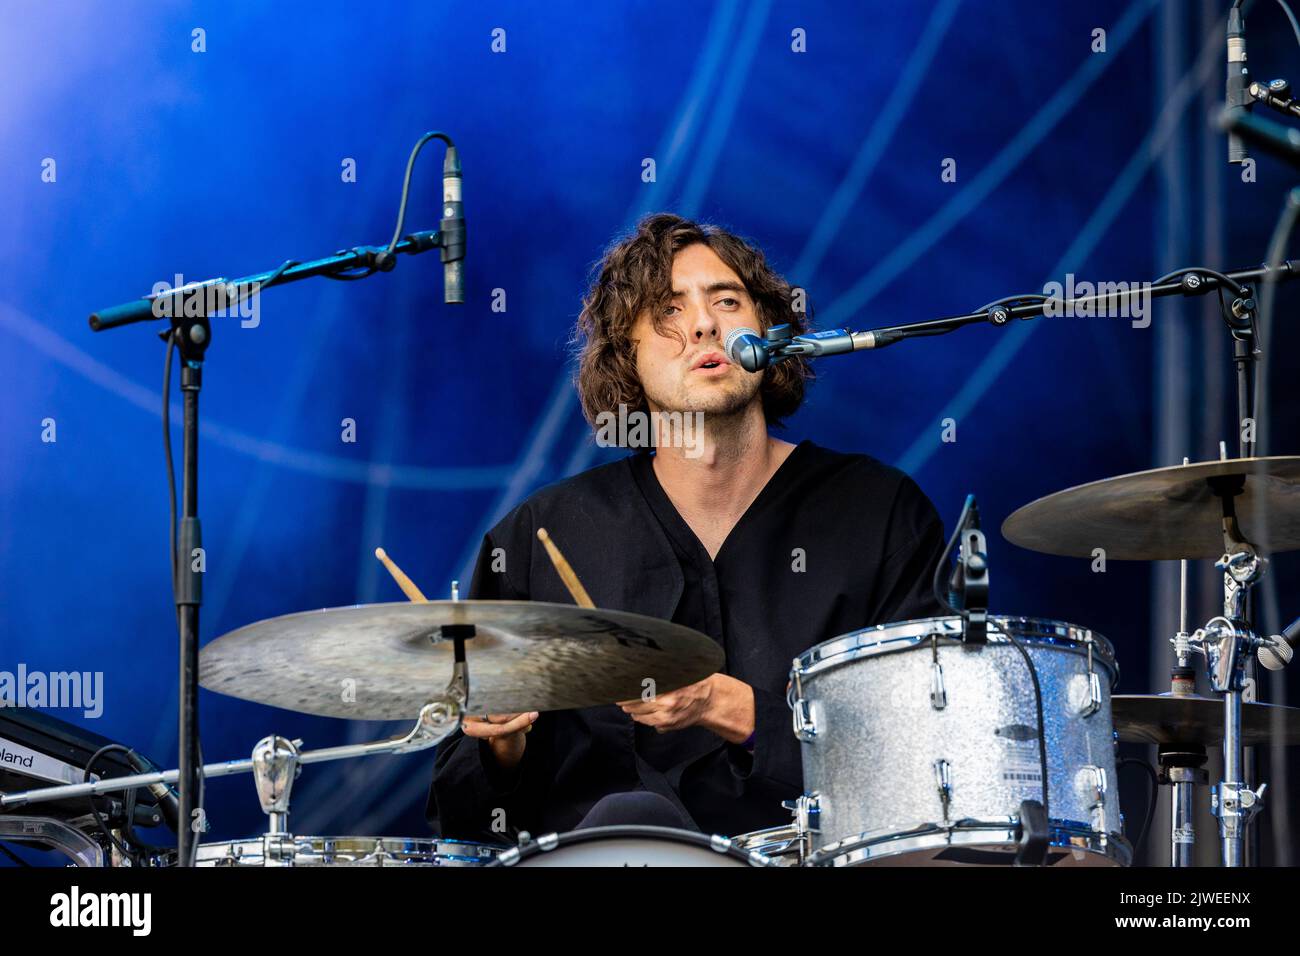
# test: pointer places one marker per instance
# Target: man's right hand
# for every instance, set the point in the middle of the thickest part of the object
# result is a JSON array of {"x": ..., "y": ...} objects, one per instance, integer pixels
[{"x": 504, "y": 734}]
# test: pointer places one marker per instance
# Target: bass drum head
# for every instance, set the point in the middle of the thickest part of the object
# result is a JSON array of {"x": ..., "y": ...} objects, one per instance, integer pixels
[{"x": 630, "y": 846}]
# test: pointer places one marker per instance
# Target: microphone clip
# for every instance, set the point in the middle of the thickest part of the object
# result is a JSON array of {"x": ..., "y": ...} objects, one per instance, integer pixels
[
  {"x": 779, "y": 338},
  {"x": 968, "y": 585}
]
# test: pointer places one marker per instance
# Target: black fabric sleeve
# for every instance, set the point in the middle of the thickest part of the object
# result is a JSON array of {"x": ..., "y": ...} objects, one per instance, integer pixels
[
  {"x": 775, "y": 768},
  {"x": 905, "y": 585},
  {"x": 471, "y": 797}
]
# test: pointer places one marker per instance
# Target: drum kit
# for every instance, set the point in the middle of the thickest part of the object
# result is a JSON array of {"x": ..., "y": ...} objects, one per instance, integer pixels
[{"x": 967, "y": 739}]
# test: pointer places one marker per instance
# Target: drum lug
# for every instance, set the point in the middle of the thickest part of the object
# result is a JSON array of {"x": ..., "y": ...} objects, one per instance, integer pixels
[
  {"x": 1094, "y": 696},
  {"x": 804, "y": 727},
  {"x": 1099, "y": 818},
  {"x": 938, "y": 689},
  {"x": 1093, "y": 781},
  {"x": 943, "y": 780},
  {"x": 807, "y": 812},
  {"x": 1094, "y": 686}
]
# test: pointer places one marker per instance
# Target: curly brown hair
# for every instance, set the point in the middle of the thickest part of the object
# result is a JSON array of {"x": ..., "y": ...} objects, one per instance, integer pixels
[{"x": 635, "y": 274}]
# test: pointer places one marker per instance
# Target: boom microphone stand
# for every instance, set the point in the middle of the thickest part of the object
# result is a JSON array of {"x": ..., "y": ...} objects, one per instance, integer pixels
[
  {"x": 1227, "y": 642},
  {"x": 189, "y": 310}
]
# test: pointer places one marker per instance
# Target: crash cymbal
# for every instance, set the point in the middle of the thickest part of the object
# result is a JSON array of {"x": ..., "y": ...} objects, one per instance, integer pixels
[
  {"x": 385, "y": 661},
  {"x": 1169, "y": 719},
  {"x": 1165, "y": 514}
]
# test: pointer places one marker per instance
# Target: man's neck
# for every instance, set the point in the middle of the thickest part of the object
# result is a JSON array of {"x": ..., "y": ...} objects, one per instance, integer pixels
[{"x": 717, "y": 480}]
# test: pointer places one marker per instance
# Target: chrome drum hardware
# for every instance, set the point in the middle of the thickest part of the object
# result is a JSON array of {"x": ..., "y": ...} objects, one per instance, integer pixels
[{"x": 276, "y": 850}]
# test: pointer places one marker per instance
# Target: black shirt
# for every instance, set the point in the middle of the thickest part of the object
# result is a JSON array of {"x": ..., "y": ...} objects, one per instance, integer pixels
[{"x": 833, "y": 543}]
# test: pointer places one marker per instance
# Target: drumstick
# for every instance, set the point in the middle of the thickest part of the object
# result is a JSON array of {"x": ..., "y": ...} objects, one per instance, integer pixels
[
  {"x": 562, "y": 568},
  {"x": 406, "y": 584}
]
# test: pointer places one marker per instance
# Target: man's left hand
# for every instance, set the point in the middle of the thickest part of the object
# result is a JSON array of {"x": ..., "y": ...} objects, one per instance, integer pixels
[{"x": 721, "y": 704}]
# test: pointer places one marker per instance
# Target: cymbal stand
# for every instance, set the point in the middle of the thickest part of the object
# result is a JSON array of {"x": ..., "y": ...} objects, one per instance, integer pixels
[
  {"x": 1228, "y": 642},
  {"x": 1182, "y": 765}
]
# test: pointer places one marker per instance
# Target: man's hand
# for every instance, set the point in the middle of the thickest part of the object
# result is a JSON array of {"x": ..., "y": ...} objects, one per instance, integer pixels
[
  {"x": 504, "y": 734},
  {"x": 718, "y": 703}
]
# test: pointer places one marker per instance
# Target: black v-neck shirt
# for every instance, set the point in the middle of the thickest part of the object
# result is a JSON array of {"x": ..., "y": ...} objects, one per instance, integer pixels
[
  {"x": 832, "y": 543},
  {"x": 700, "y": 606}
]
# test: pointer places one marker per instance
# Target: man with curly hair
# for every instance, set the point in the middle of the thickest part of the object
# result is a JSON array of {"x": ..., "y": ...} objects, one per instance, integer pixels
[{"x": 766, "y": 546}]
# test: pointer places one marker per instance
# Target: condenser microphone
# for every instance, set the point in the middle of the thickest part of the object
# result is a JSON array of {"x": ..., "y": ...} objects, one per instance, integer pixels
[
  {"x": 453, "y": 230},
  {"x": 1237, "y": 96}
]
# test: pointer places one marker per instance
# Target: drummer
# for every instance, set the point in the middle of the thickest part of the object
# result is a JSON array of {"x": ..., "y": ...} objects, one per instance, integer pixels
[{"x": 766, "y": 546}]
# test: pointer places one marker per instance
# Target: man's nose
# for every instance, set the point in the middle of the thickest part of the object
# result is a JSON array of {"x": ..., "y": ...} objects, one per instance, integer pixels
[{"x": 704, "y": 325}]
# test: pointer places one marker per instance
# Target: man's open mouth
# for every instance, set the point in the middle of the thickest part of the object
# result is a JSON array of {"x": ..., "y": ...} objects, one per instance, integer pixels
[{"x": 710, "y": 360}]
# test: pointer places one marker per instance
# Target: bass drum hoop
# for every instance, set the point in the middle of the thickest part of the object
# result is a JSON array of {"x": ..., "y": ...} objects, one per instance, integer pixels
[
  {"x": 721, "y": 845},
  {"x": 896, "y": 846}
]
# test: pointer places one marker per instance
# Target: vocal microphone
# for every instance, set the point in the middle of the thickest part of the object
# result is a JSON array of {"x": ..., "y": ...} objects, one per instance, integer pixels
[
  {"x": 748, "y": 349},
  {"x": 752, "y": 352}
]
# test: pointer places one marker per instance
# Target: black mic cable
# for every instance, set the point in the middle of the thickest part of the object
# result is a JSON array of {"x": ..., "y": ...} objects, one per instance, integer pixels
[{"x": 452, "y": 236}]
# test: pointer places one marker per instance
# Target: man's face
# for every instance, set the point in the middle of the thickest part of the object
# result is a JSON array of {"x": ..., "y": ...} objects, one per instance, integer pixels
[{"x": 708, "y": 301}]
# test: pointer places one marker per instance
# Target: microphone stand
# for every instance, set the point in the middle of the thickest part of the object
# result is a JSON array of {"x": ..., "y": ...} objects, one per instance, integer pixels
[
  {"x": 1186, "y": 282},
  {"x": 1227, "y": 642},
  {"x": 1239, "y": 316},
  {"x": 189, "y": 310}
]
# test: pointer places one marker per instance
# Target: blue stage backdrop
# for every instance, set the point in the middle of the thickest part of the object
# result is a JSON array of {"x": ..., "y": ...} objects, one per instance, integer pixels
[{"x": 900, "y": 161}]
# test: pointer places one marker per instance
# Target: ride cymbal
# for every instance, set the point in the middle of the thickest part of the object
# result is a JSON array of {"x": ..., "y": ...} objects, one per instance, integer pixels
[{"x": 385, "y": 661}]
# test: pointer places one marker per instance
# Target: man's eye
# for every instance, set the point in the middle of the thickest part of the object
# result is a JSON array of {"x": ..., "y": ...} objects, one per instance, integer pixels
[
  {"x": 671, "y": 310},
  {"x": 729, "y": 301}
]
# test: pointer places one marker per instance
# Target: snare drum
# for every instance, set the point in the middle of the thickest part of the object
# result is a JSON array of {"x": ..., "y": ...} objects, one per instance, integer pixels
[
  {"x": 918, "y": 750},
  {"x": 276, "y": 850},
  {"x": 630, "y": 846}
]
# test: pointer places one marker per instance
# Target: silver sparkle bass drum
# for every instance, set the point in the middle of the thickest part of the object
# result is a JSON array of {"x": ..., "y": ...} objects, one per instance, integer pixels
[{"x": 920, "y": 750}]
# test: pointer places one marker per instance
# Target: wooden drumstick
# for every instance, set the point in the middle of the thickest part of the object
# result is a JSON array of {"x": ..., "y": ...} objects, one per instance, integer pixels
[
  {"x": 406, "y": 584},
  {"x": 563, "y": 569}
]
